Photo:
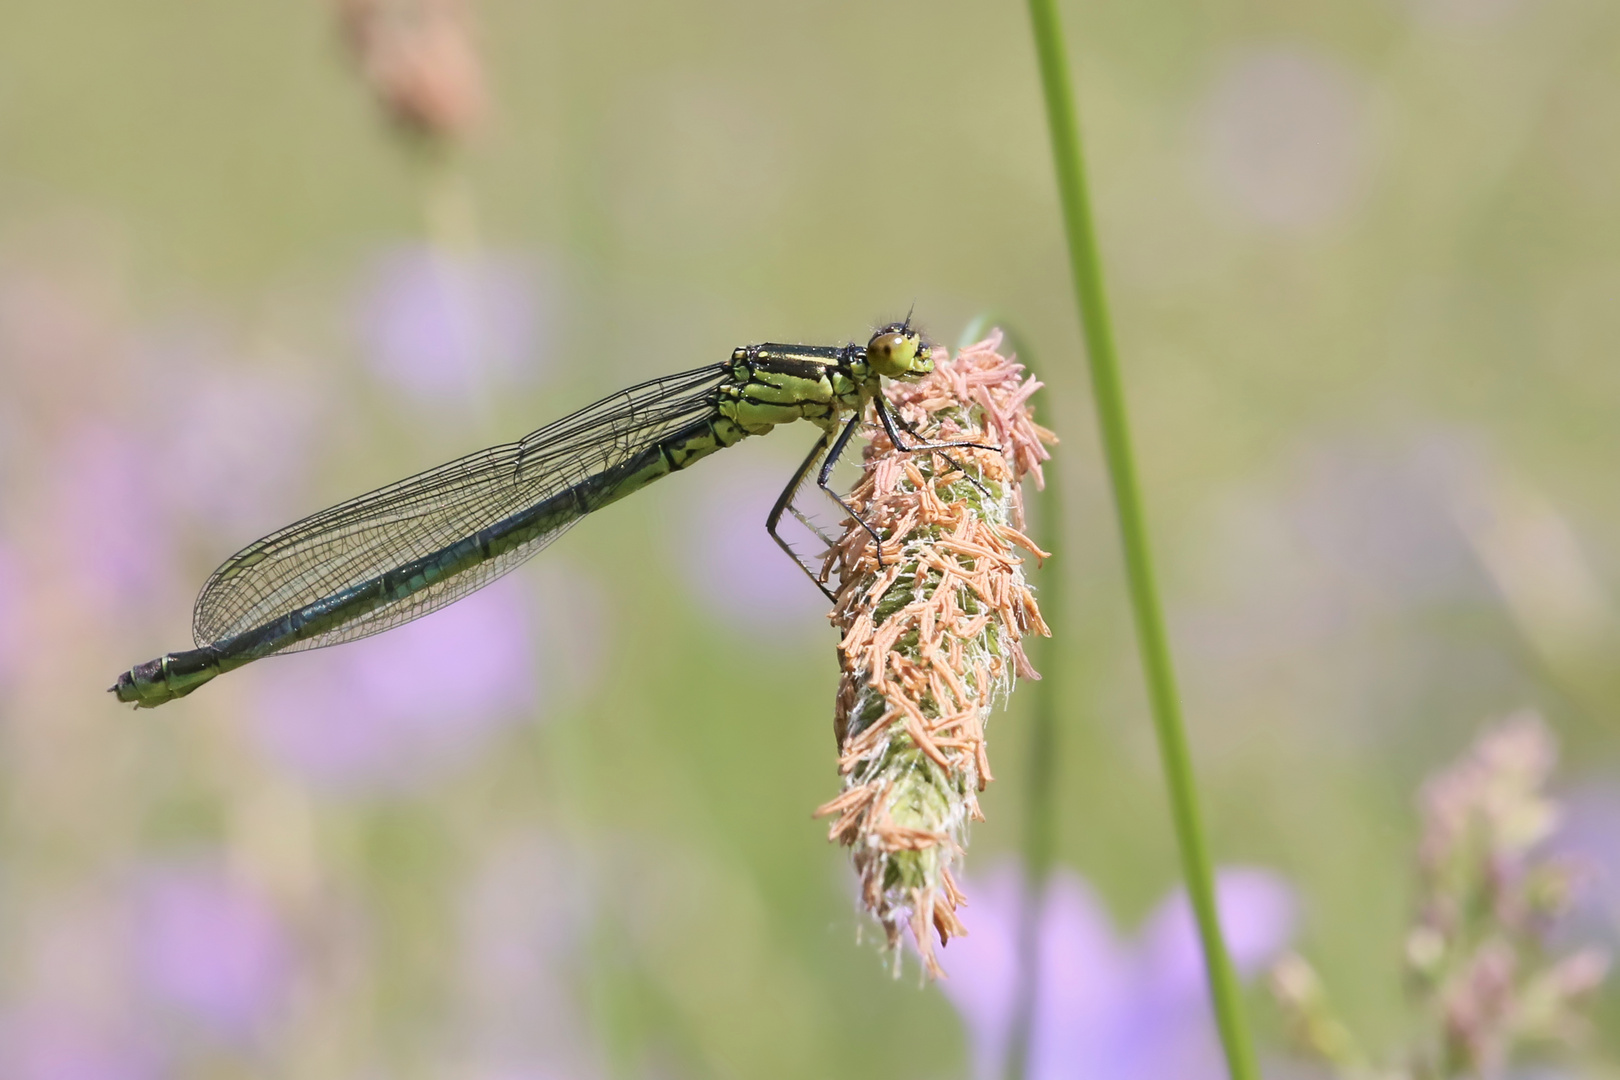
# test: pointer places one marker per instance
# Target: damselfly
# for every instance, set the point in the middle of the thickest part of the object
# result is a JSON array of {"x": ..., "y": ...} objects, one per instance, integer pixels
[{"x": 404, "y": 550}]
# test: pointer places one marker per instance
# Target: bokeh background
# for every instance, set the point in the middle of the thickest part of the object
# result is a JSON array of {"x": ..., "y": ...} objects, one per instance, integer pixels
[{"x": 1365, "y": 261}]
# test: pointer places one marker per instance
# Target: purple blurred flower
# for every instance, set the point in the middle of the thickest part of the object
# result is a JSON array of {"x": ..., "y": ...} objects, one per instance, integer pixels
[
  {"x": 210, "y": 950},
  {"x": 1284, "y": 137},
  {"x": 733, "y": 564},
  {"x": 106, "y": 518},
  {"x": 1105, "y": 1006},
  {"x": 439, "y": 324},
  {"x": 1320, "y": 585},
  {"x": 234, "y": 450},
  {"x": 405, "y": 705},
  {"x": 51, "y": 1043},
  {"x": 1590, "y": 839},
  {"x": 1380, "y": 526}
]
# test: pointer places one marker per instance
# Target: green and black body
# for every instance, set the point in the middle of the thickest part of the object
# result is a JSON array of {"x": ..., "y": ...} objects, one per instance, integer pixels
[{"x": 401, "y": 551}]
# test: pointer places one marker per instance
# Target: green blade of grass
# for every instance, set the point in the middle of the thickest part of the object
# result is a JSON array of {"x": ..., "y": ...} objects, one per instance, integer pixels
[{"x": 1151, "y": 637}]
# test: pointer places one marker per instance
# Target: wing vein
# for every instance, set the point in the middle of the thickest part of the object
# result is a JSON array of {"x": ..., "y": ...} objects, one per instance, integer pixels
[{"x": 357, "y": 540}]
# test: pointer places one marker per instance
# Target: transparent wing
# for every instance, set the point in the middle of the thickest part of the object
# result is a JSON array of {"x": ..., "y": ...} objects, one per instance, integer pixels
[{"x": 357, "y": 540}]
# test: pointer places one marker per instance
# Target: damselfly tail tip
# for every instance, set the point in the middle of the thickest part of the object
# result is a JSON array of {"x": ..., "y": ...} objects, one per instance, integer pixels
[
  {"x": 156, "y": 682},
  {"x": 127, "y": 687}
]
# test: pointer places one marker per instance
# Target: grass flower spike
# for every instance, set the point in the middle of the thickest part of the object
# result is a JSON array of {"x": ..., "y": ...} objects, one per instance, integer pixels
[
  {"x": 419, "y": 59},
  {"x": 931, "y": 634},
  {"x": 1480, "y": 961}
]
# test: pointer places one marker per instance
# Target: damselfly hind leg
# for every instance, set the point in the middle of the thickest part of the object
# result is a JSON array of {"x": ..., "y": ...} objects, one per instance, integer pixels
[{"x": 784, "y": 503}]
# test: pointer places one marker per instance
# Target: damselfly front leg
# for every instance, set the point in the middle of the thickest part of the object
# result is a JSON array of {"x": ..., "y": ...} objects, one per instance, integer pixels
[{"x": 889, "y": 419}]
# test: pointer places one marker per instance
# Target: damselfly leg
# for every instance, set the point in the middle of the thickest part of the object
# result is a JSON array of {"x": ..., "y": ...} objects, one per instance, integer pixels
[
  {"x": 890, "y": 418},
  {"x": 785, "y": 503},
  {"x": 891, "y": 421}
]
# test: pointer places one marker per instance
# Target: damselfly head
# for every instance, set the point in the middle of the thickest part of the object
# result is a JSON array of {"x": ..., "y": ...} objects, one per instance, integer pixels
[{"x": 898, "y": 352}]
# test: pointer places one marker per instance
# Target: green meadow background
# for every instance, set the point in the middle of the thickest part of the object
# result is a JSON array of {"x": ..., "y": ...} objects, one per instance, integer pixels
[{"x": 1365, "y": 266}]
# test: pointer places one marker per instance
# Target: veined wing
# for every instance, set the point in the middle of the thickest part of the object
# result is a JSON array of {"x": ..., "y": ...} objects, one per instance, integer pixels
[{"x": 357, "y": 540}]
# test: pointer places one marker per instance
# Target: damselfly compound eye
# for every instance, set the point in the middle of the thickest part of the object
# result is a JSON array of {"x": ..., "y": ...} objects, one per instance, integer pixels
[
  {"x": 884, "y": 345},
  {"x": 893, "y": 352}
]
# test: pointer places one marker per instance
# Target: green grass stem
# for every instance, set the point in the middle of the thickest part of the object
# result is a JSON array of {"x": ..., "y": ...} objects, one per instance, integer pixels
[{"x": 1152, "y": 639}]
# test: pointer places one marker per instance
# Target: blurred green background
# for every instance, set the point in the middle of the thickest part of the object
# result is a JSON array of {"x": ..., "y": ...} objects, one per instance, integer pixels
[{"x": 1365, "y": 261}]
